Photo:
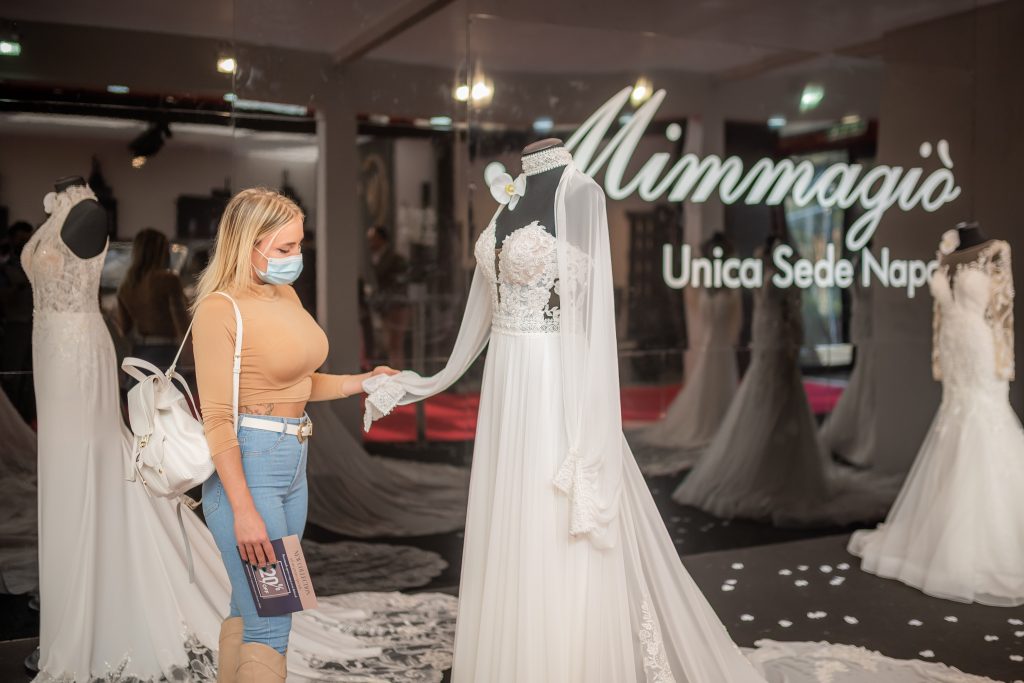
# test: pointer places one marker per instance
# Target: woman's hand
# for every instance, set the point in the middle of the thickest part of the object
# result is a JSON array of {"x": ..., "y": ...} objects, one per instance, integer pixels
[
  {"x": 383, "y": 370},
  {"x": 251, "y": 535}
]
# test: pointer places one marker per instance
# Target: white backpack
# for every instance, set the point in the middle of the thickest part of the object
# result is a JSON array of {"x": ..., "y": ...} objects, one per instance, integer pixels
[{"x": 171, "y": 455}]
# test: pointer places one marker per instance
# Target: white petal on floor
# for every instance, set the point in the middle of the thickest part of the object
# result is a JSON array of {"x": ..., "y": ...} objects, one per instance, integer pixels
[
  {"x": 731, "y": 582},
  {"x": 842, "y": 566},
  {"x": 817, "y": 615},
  {"x": 800, "y": 583},
  {"x": 746, "y": 617},
  {"x": 825, "y": 569},
  {"x": 951, "y": 619},
  {"x": 851, "y": 620},
  {"x": 785, "y": 572},
  {"x": 785, "y": 623},
  {"x": 915, "y": 622},
  {"x": 737, "y": 565},
  {"x": 803, "y": 567},
  {"x": 991, "y": 639},
  {"x": 1019, "y": 634},
  {"x": 726, "y": 587},
  {"x": 927, "y": 654},
  {"x": 1016, "y": 658},
  {"x": 1015, "y": 622},
  {"x": 837, "y": 580}
]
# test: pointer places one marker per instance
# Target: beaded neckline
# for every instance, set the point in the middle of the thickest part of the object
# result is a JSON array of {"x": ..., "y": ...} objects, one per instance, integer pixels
[{"x": 545, "y": 160}]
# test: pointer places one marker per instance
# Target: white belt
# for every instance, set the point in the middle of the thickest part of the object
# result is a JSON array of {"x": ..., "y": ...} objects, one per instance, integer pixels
[{"x": 302, "y": 430}]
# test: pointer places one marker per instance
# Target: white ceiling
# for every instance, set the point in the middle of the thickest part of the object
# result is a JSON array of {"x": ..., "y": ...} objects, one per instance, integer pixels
[{"x": 698, "y": 36}]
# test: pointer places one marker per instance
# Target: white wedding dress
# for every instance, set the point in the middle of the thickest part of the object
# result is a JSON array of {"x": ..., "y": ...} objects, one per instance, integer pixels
[
  {"x": 957, "y": 529},
  {"x": 357, "y": 494},
  {"x": 116, "y": 602},
  {"x": 849, "y": 431},
  {"x": 766, "y": 461},
  {"x": 565, "y": 578},
  {"x": 676, "y": 441}
]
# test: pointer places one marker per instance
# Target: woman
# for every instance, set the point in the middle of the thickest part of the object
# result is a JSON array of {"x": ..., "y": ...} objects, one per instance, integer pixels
[
  {"x": 151, "y": 302},
  {"x": 258, "y": 492}
]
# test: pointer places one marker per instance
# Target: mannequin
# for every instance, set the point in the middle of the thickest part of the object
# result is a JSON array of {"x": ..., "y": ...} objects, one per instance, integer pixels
[
  {"x": 538, "y": 204},
  {"x": 85, "y": 229},
  {"x": 970, "y": 235}
]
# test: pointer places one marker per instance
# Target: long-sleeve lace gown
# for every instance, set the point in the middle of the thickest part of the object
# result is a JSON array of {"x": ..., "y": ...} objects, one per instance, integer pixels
[{"x": 956, "y": 530}]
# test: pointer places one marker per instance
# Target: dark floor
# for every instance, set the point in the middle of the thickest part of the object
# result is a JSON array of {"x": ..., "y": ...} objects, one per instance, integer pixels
[{"x": 764, "y": 582}]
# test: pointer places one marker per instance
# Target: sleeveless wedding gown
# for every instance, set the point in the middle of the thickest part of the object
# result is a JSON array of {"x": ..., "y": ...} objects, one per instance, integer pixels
[
  {"x": 676, "y": 441},
  {"x": 957, "y": 529},
  {"x": 116, "y": 602}
]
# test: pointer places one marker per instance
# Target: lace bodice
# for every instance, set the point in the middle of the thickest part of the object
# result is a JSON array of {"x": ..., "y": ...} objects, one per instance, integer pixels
[
  {"x": 61, "y": 281},
  {"x": 523, "y": 274},
  {"x": 972, "y": 325}
]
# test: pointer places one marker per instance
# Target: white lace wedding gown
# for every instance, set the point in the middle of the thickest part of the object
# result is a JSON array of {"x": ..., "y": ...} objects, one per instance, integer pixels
[
  {"x": 116, "y": 602},
  {"x": 676, "y": 441},
  {"x": 849, "y": 430},
  {"x": 957, "y": 529},
  {"x": 766, "y": 461},
  {"x": 357, "y": 494}
]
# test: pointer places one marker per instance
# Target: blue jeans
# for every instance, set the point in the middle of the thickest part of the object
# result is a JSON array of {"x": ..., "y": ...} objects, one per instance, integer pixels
[{"x": 275, "y": 471}]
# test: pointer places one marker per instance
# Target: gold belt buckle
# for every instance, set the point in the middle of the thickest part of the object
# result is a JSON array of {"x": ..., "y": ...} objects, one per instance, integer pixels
[{"x": 305, "y": 430}]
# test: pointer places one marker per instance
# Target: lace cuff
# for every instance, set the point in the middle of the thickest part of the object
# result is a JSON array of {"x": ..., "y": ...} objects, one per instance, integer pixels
[
  {"x": 383, "y": 392},
  {"x": 573, "y": 481}
]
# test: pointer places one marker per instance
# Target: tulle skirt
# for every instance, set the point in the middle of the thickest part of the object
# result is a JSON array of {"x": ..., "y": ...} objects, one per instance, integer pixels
[
  {"x": 957, "y": 529},
  {"x": 766, "y": 461},
  {"x": 540, "y": 606}
]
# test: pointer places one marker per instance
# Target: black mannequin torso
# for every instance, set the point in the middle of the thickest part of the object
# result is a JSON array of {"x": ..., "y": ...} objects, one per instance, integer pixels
[
  {"x": 970, "y": 235},
  {"x": 85, "y": 228},
  {"x": 538, "y": 203}
]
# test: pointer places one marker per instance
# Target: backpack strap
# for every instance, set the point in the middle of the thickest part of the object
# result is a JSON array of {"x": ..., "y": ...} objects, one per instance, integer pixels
[{"x": 236, "y": 366}]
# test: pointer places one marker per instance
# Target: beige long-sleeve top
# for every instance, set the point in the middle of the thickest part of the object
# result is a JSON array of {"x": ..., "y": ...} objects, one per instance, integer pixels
[{"x": 282, "y": 346}]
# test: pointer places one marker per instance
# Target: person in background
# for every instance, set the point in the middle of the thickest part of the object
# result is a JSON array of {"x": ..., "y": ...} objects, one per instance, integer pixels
[
  {"x": 151, "y": 311},
  {"x": 391, "y": 296},
  {"x": 16, "y": 323}
]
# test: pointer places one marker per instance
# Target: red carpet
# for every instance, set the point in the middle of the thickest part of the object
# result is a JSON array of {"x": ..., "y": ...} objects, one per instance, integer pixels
[{"x": 452, "y": 417}]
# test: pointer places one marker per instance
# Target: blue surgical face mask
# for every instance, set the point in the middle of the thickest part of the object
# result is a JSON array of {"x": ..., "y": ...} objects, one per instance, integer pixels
[{"x": 280, "y": 271}]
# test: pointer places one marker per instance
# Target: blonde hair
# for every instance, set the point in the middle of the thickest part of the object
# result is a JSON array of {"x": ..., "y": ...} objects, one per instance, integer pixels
[{"x": 249, "y": 217}]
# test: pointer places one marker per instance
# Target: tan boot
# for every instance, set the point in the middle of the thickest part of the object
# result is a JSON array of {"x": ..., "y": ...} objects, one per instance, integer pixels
[
  {"x": 259, "y": 663},
  {"x": 228, "y": 649}
]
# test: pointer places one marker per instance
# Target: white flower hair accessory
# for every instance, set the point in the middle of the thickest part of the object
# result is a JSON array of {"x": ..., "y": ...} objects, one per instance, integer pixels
[
  {"x": 508, "y": 191},
  {"x": 950, "y": 242},
  {"x": 49, "y": 200}
]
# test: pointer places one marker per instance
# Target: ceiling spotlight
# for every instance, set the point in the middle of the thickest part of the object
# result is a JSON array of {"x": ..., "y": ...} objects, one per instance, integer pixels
[
  {"x": 148, "y": 143},
  {"x": 10, "y": 47},
  {"x": 462, "y": 93},
  {"x": 642, "y": 91},
  {"x": 777, "y": 122},
  {"x": 226, "y": 64},
  {"x": 118, "y": 89},
  {"x": 812, "y": 96}
]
